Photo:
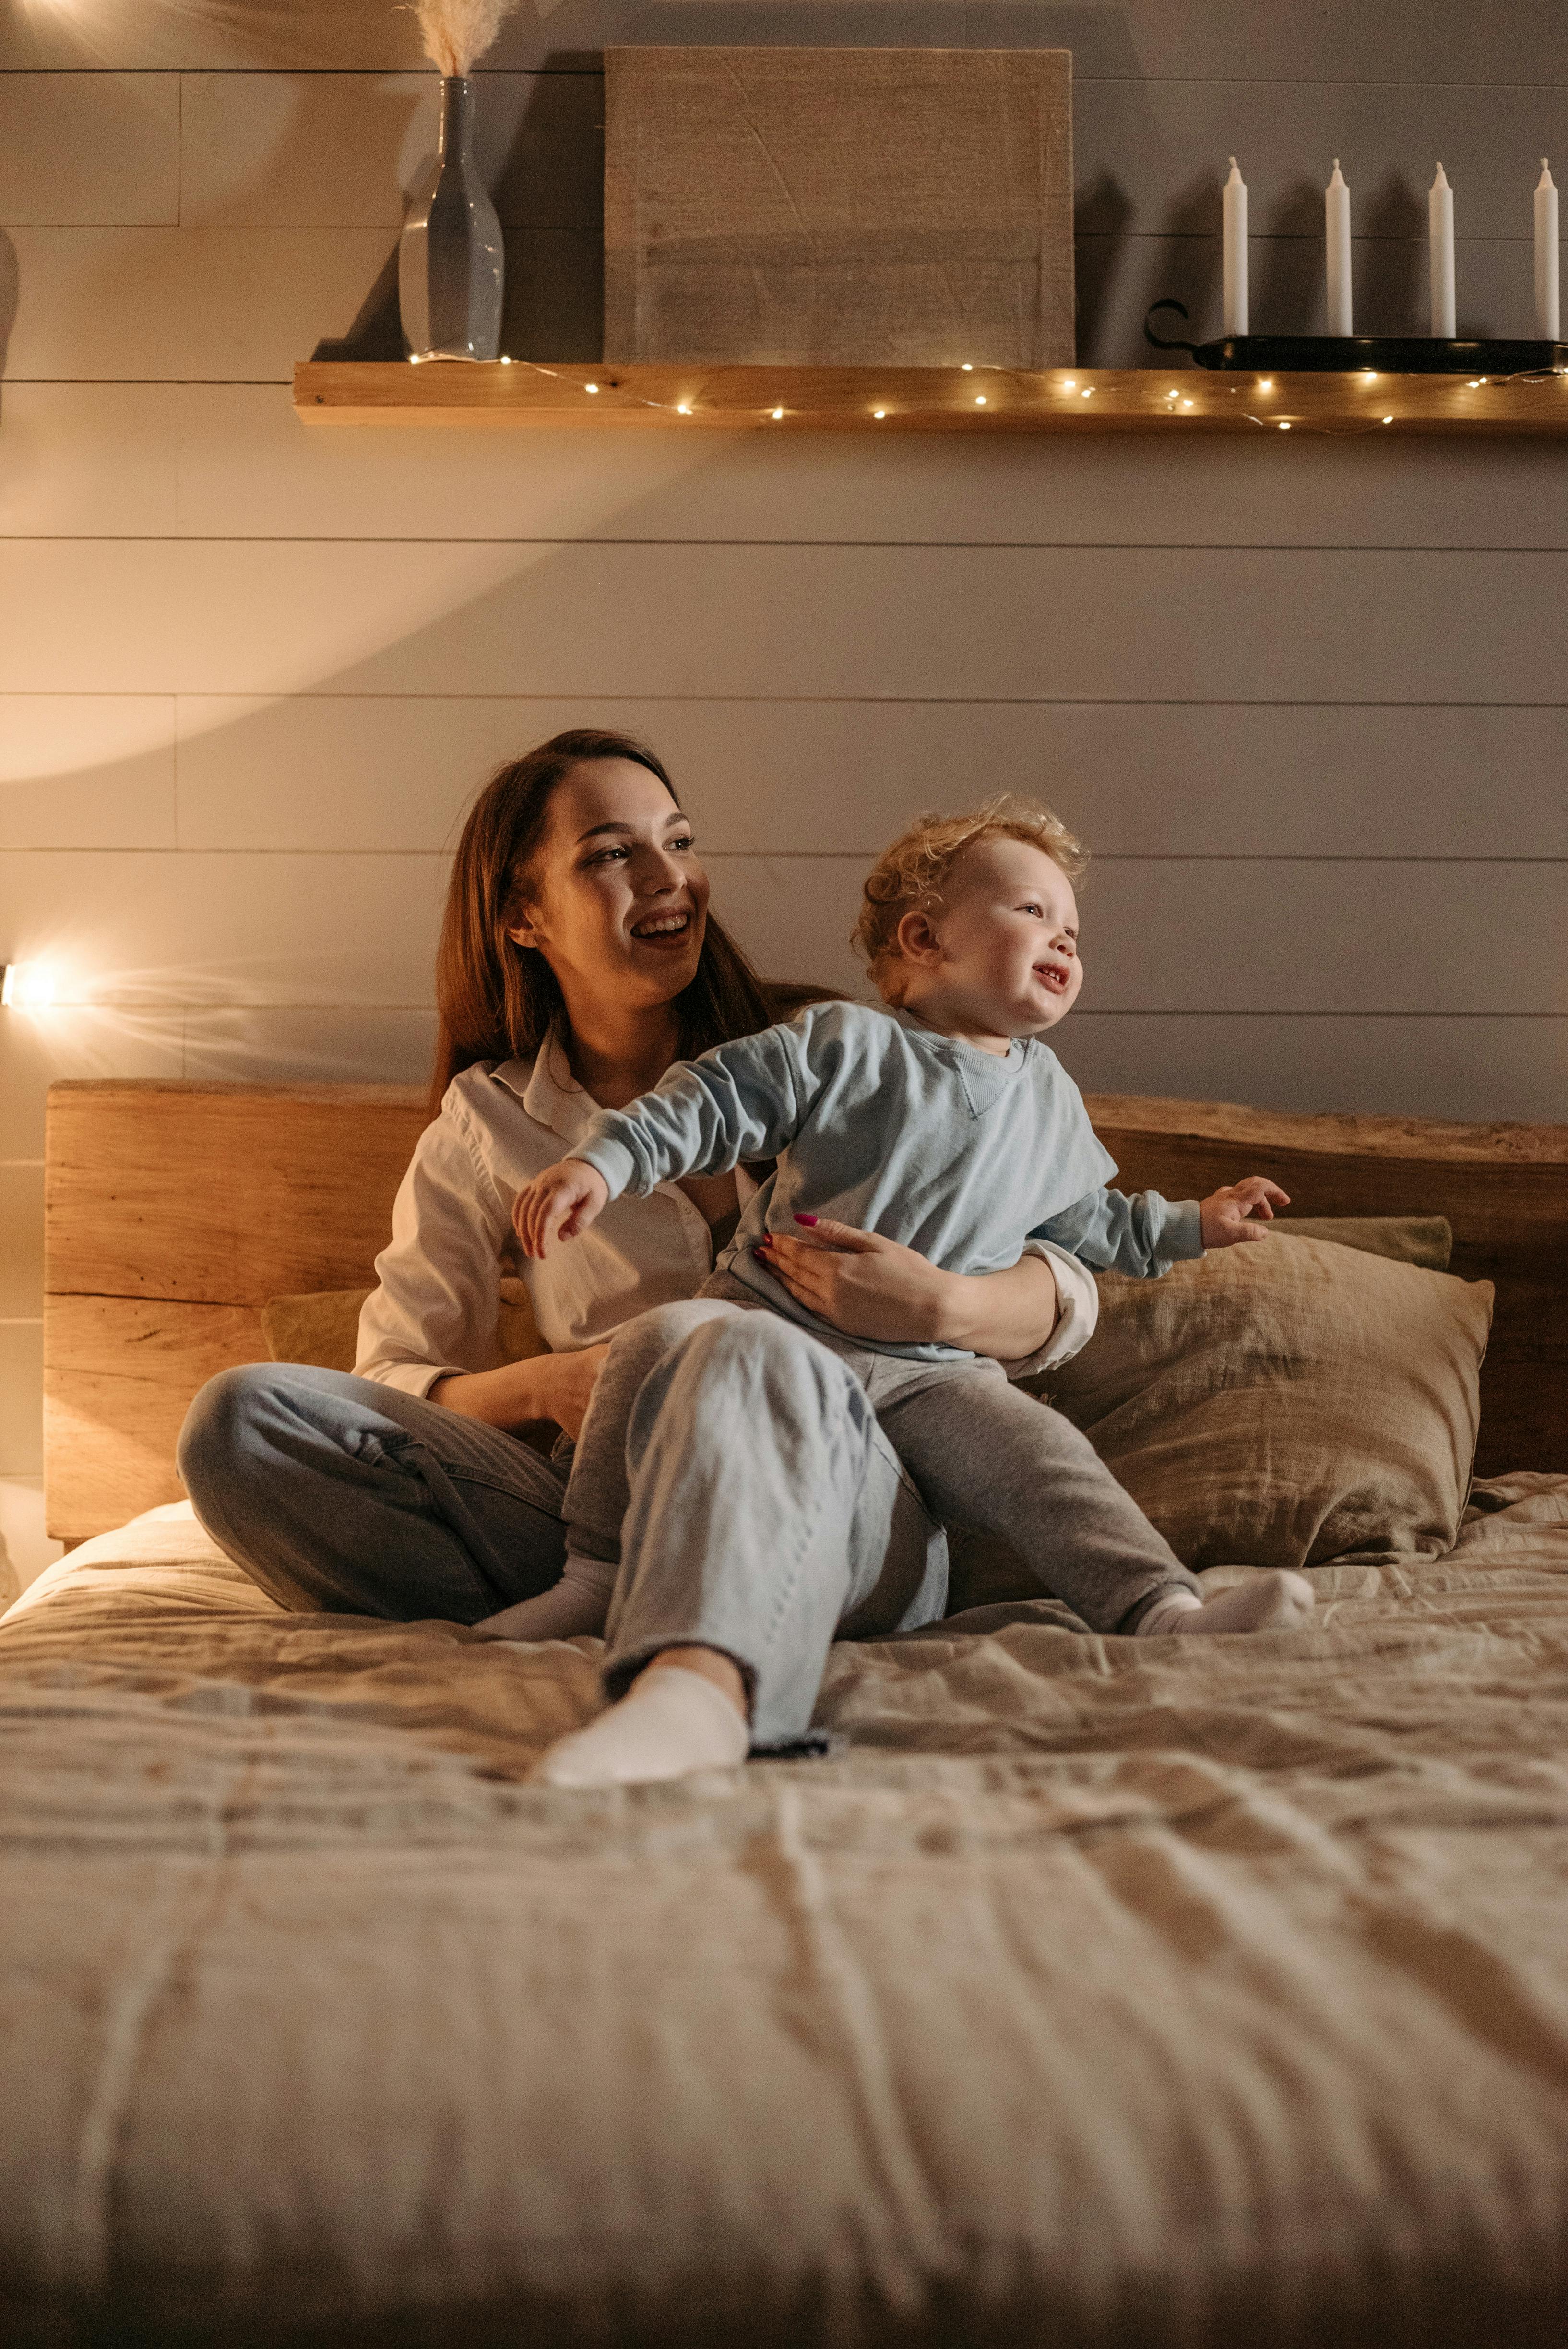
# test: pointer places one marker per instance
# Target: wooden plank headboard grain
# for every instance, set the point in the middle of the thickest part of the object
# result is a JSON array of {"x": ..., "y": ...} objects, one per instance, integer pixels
[{"x": 173, "y": 1212}]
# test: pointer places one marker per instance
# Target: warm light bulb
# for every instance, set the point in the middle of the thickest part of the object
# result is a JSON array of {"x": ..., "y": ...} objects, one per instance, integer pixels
[
  {"x": 779, "y": 416},
  {"x": 505, "y": 361},
  {"x": 968, "y": 367},
  {"x": 1266, "y": 383},
  {"x": 979, "y": 399},
  {"x": 878, "y": 413},
  {"x": 26, "y": 985},
  {"x": 1285, "y": 428}
]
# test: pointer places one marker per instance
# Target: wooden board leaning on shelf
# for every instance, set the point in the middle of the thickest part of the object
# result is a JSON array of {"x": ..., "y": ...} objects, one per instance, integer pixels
[{"x": 925, "y": 399}]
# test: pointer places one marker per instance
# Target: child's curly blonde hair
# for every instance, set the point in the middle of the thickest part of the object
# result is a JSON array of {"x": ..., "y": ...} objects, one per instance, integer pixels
[{"x": 909, "y": 878}]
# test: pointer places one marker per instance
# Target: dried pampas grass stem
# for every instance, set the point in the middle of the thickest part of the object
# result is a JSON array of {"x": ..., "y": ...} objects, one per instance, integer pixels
[{"x": 457, "y": 32}]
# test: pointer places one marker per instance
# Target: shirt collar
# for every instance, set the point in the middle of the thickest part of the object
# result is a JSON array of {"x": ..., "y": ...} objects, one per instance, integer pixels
[{"x": 548, "y": 1092}]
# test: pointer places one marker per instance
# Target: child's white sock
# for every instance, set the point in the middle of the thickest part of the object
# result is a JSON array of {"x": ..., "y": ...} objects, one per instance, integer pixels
[
  {"x": 1276, "y": 1600},
  {"x": 670, "y": 1721}
]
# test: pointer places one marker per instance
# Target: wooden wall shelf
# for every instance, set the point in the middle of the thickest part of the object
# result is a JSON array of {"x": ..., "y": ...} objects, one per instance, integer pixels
[{"x": 925, "y": 399}]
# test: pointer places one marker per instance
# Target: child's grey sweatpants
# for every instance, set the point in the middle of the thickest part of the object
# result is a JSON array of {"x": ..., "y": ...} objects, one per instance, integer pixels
[{"x": 981, "y": 1453}]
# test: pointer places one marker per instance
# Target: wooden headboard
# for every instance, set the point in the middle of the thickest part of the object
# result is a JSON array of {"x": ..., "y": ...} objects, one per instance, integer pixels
[{"x": 174, "y": 1211}]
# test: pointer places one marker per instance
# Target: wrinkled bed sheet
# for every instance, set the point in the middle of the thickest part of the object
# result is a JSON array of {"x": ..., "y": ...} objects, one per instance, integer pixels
[{"x": 1187, "y": 1991}]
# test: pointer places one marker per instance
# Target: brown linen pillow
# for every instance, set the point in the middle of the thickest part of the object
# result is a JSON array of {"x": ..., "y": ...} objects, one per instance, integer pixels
[
  {"x": 1410, "y": 1239},
  {"x": 323, "y": 1328},
  {"x": 1270, "y": 1406}
]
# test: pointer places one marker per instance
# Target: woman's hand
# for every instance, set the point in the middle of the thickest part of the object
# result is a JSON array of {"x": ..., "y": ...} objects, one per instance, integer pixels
[
  {"x": 865, "y": 1285},
  {"x": 1240, "y": 1211},
  {"x": 868, "y": 1287},
  {"x": 557, "y": 1387},
  {"x": 558, "y": 1204}
]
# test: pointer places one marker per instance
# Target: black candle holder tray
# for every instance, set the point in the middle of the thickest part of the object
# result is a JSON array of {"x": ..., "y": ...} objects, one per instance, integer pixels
[{"x": 1364, "y": 354}]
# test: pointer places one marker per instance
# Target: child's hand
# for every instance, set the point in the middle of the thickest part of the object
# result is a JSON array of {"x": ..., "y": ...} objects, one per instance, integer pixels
[
  {"x": 558, "y": 1204},
  {"x": 1240, "y": 1211}
]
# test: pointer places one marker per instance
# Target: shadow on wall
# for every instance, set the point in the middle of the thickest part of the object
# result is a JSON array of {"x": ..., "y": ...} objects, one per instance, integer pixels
[
  {"x": 1397, "y": 220},
  {"x": 10, "y": 293},
  {"x": 1099, "y": 254}
]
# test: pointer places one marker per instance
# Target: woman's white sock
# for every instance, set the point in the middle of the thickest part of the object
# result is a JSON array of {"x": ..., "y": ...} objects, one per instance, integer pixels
[
  {"x": 669, "y": 1722},
  {"x": 1277, "y": 1600},
  {"x": 566, "y": 1610}
]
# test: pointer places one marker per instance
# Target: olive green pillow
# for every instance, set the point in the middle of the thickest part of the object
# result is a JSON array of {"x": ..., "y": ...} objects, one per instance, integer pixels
[
  {"x": 1276, "y": 1405},
  {"x": 322, "y": 1328}
]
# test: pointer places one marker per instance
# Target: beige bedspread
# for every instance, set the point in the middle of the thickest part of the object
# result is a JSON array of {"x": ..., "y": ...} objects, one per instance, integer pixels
[{"x": 1184, "y": 1993}]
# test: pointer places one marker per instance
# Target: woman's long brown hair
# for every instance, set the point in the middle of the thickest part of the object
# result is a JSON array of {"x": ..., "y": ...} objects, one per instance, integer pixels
[{"x": 498, "y": 1001}]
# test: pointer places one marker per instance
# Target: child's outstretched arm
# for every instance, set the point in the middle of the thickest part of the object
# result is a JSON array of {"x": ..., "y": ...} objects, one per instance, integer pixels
[
  {"x": 1145, "y": 1234},
  {"x": 743, "y": 1099}
]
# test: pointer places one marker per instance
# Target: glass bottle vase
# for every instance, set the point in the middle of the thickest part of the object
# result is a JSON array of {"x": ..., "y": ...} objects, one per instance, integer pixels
[{"x": 450, "y": 266}]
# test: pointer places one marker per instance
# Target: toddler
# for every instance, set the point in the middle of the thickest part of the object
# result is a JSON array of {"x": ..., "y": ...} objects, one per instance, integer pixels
[{"x": 944, "y": 1122}]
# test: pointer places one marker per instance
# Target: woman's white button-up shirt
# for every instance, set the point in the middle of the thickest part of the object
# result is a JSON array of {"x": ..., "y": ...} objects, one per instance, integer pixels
[{"x": 436, "y": 1310}]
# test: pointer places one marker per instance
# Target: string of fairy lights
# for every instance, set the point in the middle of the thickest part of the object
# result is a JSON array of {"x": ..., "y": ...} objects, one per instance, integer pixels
[{"x": 1174, "y": 402}]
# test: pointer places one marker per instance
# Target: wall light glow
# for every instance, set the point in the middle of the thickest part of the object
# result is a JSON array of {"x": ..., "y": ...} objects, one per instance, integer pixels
[{"x": 27, "y": 987}]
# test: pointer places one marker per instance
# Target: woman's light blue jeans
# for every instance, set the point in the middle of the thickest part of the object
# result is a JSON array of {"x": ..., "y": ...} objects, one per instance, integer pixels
[{"x": 763, "y": 1513}]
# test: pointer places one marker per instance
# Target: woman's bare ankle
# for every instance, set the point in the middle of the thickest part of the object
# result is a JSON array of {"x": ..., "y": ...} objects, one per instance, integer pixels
[{"x": 710, "y": 1664}]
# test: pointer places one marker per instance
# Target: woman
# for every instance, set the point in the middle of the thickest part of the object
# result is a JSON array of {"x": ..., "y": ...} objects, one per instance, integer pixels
[{"x": 762, "y": 1510}]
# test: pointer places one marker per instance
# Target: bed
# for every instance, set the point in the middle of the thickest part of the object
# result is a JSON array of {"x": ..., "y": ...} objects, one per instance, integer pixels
[{"x": 1086, "y": 1993}]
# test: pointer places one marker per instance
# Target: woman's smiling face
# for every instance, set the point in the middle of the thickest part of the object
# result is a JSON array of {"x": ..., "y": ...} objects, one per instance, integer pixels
[{"x": 616, "y": 899}]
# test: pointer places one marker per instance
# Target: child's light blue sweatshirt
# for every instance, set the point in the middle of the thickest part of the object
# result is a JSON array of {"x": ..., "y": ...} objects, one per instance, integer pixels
[{"x": 885, "y": 1124}]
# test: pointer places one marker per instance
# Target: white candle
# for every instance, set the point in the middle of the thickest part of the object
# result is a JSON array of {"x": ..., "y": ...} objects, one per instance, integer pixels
[
  {"x": 1440, "y": 237},
  {"x": 1548, "y": 313},
  {"x": 1336, "y": 221},
  {"x": 1234, "y": 204}
]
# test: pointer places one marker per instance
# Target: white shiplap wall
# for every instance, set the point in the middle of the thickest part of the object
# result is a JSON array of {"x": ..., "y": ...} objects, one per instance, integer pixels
[{"x": 1305, "y": 697}]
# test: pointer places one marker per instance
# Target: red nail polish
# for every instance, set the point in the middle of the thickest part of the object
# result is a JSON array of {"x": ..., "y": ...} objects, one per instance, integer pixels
[{"x": 805, "y": 1219}]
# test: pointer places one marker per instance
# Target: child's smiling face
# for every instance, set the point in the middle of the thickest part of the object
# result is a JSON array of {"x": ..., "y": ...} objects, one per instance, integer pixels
[{"x": 1000, "y": 955}]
